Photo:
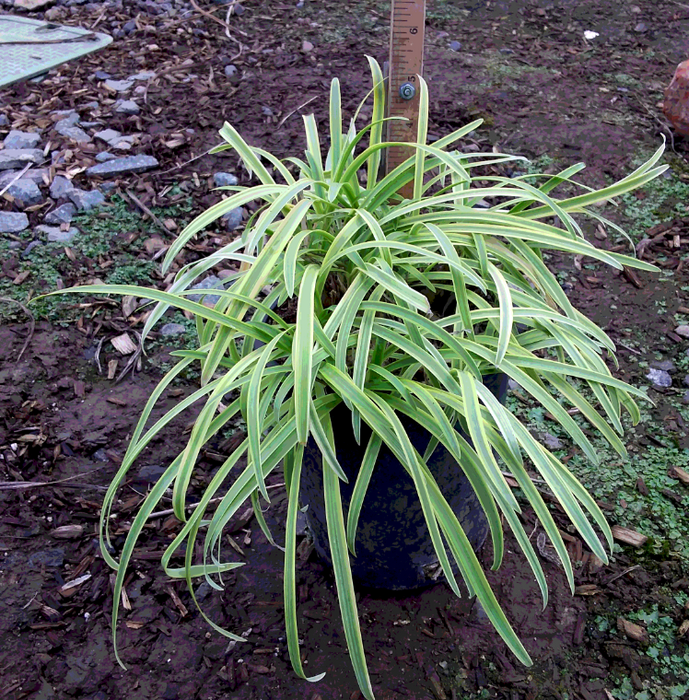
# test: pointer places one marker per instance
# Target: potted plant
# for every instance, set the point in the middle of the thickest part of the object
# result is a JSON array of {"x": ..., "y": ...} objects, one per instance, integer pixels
[{"x": 404, "y": 308}]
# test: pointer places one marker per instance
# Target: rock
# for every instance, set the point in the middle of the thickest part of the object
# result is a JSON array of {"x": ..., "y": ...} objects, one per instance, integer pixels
[
  {"x": 4, "y": 121},
  {"x": 233, "y": 219},
  {"x": 120, "y": 166},
  {"x": 32, "y": 5},
  {"x": 60, "y": 187},
  {"x": 659, "y": 377},
  {"x": 26, "y": 191},
  {"x": 150, "y": 473},
  {"x": 676, "y": 102},
  {"x": 666, "y": 365},
  {"x": 267, "y": 111},
  {"x": 641, "y": 27},
  {"x": 13, "y": 222},
  {"x": 144, "y": 75},
  {"x": 306, "y": 46},
  {"x": 105, "y": 156},
  {"x": 108, "y": 135},
  {"x": 27, "y": 251},
  {"x": 55, "y": 13},
  {"x": 550, "y": 441},
  {"x": 302, "y": 523},
  {"x": 119, "y": 85},
  {"x": 101, "y": 75},
  {"x": 68, "y": 127},
  {"x": 231, "y": 71},
  {"x": 84, "y": 201},
  {"x": 50, "y": 558},
  {"x": 33, "y": 174},
  {"x": 203, "y": 591},
  {"x": 126, "y": 107},
  {"x": 74, "y": 133},
  {"x": 67, "y": 114},
  {"x": 224, "y": 180},
  {"x": 21, "y": 139},
  {"x": 16, "y": 158},
  {"x": 124, "y": 143},
  {"x": 62, "y": 215},
  {"x": 455, "y": 46},
  {"x": 101, "y": 456},
  {"x": 680, "y": 330},
  {"x": 209, "y": 283},
  {"x": 170, "y": 329},
  {"x": 70, "y": 118},
  {"x": 55, "y": 234}
]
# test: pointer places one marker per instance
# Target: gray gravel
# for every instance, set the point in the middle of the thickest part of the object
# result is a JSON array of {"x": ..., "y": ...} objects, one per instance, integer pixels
[
  {"x": 170, "y": 329},
  {"x": 68, "y": 127},
  {"x": 26, "y": 191},
  {"x": 666, "y": 365},
  {"x": 75, "y": 133},
  {"x": 119, "y": 85},
  {"x": 60, "y": 187},
  {"x": 659, "y": 377},
  {"x": 33, "y": 174},
  {"x": 551, "y": 441},
  {"x": 121, "y": 166},
  {"x": 13, "y": 222},
  {"x": 126, "y": 107},
  {"x": 55, "y": 234},
  {"x": 233, "y": 219},
  {"x": 108, "y": 135},
  {"x": 84, "y": 201},
  {"x": 16, "y": 158},
  {"x": 225, "y": 180},
  {"x": 62, "y": 215},
  {"x": 27, "y": 251},
  {"x": 21, "y": 139},
  {"x": 209, "y": 283}
]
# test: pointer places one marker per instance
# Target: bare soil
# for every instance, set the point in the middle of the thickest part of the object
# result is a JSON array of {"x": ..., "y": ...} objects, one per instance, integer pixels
[{"x": 525, "y": 68}]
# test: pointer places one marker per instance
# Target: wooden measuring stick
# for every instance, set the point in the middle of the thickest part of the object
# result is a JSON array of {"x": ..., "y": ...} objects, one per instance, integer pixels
[{"x": 408, "y": 18}]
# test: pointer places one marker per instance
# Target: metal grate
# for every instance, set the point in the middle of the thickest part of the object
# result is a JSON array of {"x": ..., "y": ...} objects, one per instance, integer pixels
[{"x": 29, "y": 47}]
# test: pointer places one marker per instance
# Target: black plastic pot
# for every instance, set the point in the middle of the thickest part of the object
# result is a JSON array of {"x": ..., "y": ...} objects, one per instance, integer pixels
[{"x": 394, "y": 549}]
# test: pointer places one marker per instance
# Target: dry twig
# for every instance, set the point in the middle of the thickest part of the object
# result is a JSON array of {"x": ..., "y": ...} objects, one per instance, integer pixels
[
  {"x": 18, "y": 176},
  {"x": 146, "y": 210}
]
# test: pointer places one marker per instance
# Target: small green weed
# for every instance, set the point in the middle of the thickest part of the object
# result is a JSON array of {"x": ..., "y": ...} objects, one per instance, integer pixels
[
  {"x": 664, "y": 520},
  {"x": 102, "y": 249},
  {"x": 670, "y": 655},
  {"x": 661, "y": 200}
]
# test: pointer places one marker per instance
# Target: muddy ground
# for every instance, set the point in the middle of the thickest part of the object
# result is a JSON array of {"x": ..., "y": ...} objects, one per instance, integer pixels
[{"x": 543, "y": 91}]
